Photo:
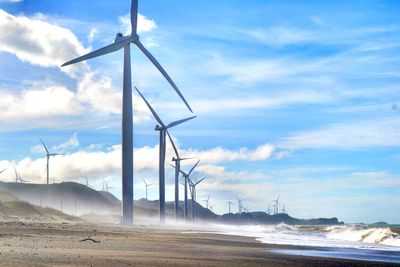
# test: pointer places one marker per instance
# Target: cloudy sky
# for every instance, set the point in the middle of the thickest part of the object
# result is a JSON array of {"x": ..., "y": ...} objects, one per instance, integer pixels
[{"x": 300, "y": 101}]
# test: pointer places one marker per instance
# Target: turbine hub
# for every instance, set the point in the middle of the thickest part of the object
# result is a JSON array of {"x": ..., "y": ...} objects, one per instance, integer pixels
[{"x": 135, "y": 37}]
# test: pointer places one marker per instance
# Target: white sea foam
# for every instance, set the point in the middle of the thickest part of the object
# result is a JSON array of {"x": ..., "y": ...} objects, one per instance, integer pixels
[{"x": 344, "y": 236}]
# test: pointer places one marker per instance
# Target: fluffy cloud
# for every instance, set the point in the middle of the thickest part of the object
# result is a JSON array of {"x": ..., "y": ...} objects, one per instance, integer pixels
[
  {"x": 50, "y": 100},
  {"x": 365, "y": 134},
  {"x": 144, "y": 24},
  {"x": 108, "y": 162},
  {"x": 220, "y": 154},
  {"x": 38, "y": 42}
]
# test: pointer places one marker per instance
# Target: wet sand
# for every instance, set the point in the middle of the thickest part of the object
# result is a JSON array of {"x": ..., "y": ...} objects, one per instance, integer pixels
[{"x": 41, "y": 244}]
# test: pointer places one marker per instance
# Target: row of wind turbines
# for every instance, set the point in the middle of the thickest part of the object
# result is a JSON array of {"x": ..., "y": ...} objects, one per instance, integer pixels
[{"x": 124, "y": 42}]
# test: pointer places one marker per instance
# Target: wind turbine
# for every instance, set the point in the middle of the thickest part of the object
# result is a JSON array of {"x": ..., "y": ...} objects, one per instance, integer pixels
[
  {"x": 124, "y": 42},
  {"x": 193, "y": 192},
  {"x": 207, "y": 201},
  {"x": 177, "y": 167},
  {"x": 48, "y": 155},
  {"x": 106, "y": 187},
  {"x": 283, "y": 209},
  {"x": 186, "y": 177},
  {"x": 268, "y": 210},
  {"x": 18, "y": 178},
  {"x": 211, "y": 207},
  {"x": 276, "y": 206},
  {"x": 87, "y": 182},
  {"x": 162, "y": 128},
  {"x": 146, "y": 185},
  {"x": 3, "y": 170},
  {"x": 229, "y": 206},
  {"x": 240, "y": 205}
]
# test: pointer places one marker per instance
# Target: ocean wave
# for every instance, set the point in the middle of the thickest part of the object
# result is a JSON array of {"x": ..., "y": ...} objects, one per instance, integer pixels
[{"x": 365, "y": 234}]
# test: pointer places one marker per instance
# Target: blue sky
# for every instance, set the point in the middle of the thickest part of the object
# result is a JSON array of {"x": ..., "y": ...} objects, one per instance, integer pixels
[{"x": 296, "y": 100}]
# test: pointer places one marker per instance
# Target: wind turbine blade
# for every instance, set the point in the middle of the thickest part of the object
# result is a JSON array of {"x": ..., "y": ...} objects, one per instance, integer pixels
[
  {"x": 163, "y": 72},
  {"x": 199, "y": 181},
  {"x": 184, "y": 174},
  {"x": 134, "y": 15},
  {"x": 186, "y": 158},
  {"x": 99, "y": 52},
  {"x": 172, "y": 124},
  {"x": 56, "y": 154},
  {"x": 47, "y": 151},
  {"x": 151, "y": 109},
  {"x": 3, "y": 170},
  {"x": 173, "y": 145},
  {"x": 193, "y": 167}
]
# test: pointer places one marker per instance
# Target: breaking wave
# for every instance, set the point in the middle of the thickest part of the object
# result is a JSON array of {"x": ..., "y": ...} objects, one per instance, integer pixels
[
  {"x": 359, "y": 233},
  {"x": 343, "y": 236}
]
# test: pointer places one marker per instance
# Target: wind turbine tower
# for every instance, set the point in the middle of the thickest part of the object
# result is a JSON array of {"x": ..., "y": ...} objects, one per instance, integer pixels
[
  {"x": 162, "y": 128},
  {"x": 177, "y": 159},
  {"x": 207, "y": 201},
  {"x": 146, "y": 185},
  {"x": 186, "y": 176},
  {"x": 229, "y": 206},
  {"x": 124, "y": 42},
  {"x": 193, "y": 193},
  {"x": 48, "y": 155}
]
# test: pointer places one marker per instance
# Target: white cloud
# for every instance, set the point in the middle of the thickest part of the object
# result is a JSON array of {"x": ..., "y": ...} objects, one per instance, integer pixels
[
  {"x": 144, "y": 24},
  {"x": 38, "y": 42},
  {"x": 220, "y": 154},
  {"x": 92, "y": 34},
  {"x": 107, "y": 163},
  {"x": 48, "y": 101},
  {"x": 355, "y": 135}
]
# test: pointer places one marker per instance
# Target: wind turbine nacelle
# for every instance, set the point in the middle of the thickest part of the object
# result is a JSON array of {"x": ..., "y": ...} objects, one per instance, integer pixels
[{"x": 118, "y": 37}]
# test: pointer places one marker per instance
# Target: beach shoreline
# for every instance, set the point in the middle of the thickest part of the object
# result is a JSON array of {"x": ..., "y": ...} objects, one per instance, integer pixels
[{"x": 59, "y": 244}]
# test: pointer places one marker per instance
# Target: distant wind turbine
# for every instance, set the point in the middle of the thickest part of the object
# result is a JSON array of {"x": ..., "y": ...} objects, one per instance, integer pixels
[
  {"x": 48, "y": 155},
  {"x": 211, "y": 207},
  {"x": 162, "y": 128},
  {"x": 229, "y": 206},
  {"x": 193, "y": 193},
  {"x": 106, "y": 187},
  {"x": 186, "y": 176},
  {"x": 87, "y": 182},
  {"x": 240, "y": 205},
  {"x": 18, "y": 178},
  {"x": 207, "y": 201},
  {"x": 276, "y": 205},
  {"x": 177, "y": 159},
  {"x": 146, "y": 185},
  {"x": 120, "y": 42}
]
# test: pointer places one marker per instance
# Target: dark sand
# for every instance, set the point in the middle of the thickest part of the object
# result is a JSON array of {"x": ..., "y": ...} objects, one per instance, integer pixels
[{"x": 40, "y": 244}]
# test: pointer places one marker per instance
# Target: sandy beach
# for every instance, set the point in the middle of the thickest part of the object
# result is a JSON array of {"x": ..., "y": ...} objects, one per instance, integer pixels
[{"x": 59, "y": 244}]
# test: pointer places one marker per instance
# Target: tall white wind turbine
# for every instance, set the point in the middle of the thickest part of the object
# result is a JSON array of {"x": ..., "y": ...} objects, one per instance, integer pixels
[
  {"x": 147, "y": 186},
  {"x": 127, "y": 113},
  {"x": 177, "y": 159},
  {"x": 186, "y": 176},
  {"x": 48, "y": 155},
  {"x": 162, "y": 128},
  {"x": 193, "y": 193}
]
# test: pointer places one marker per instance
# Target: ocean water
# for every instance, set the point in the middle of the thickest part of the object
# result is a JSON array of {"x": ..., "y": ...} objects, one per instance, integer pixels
[
  {"x": 356, "y": 242},
  {"x": 341, "y": 236}
]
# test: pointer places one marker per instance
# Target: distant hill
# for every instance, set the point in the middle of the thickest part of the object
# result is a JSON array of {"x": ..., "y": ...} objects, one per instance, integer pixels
[
  {"x": 13, "y": 209},
  {"x": 64, "y": 197},
  {"x": 264, "y": 218},
  {"x": 97, "y": 205}
]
